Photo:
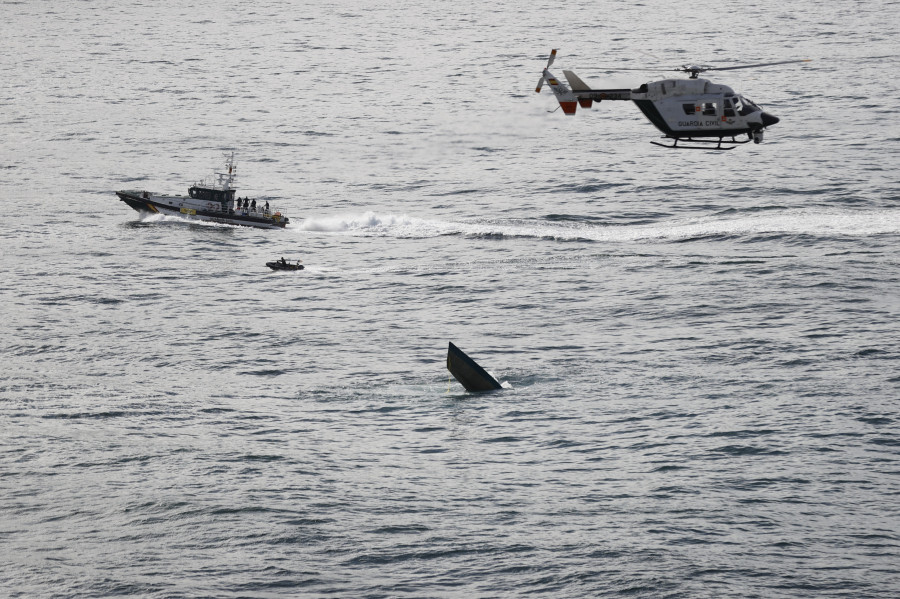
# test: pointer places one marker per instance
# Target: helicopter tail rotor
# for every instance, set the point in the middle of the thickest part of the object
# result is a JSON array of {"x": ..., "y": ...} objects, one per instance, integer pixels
[
  {"x": 567, "y": 100},
  {"x": 544, "y": 74}
]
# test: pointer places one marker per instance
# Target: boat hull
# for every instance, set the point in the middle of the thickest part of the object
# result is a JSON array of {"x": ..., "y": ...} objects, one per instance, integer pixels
[
  {"x": 172, "y": 206},
  {"x": 277, "y": 265}
]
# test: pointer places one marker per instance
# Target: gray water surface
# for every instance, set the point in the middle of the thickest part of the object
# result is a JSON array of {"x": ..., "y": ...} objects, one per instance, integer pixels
[{"x": 700, "y": 349}]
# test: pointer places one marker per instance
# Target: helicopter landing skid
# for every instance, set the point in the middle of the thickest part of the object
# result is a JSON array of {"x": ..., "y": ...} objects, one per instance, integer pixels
[{"x": 733, "y": 143}]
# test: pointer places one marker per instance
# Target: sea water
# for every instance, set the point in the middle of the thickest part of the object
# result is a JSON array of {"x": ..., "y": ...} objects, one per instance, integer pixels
[{"x": 699, "y": 349}]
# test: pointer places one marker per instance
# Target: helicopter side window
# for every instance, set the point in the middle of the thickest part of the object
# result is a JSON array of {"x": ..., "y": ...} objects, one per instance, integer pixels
[
  {"x": 729, "y": 111},
  {"x": 688, "y": 109},
  {"x": 709, "y": 109}
]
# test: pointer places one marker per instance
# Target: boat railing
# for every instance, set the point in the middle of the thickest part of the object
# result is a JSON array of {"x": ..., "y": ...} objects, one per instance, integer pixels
[{"x": 258, "y": 211}]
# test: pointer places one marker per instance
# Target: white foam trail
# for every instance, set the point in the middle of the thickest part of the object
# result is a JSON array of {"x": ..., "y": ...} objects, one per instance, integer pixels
[
  {"x": 785, "y": 222},
  {"x": 166, "y": 218},
  {"x": 371, "y": 224},
  {"x": 770, "y": 222}
]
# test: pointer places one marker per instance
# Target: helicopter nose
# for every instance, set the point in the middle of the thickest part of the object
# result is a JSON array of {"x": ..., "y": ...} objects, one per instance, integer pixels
[{"x": 768, "y": 119}]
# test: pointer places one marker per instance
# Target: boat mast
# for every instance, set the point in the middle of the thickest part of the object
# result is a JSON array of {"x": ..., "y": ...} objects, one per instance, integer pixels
[{"x": 225, "y": 181}]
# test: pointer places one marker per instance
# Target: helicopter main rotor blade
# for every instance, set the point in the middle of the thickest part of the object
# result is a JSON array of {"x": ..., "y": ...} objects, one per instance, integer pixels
[
  {"x": 750, "y": 66},
  {"x": 609, "y": 69}
]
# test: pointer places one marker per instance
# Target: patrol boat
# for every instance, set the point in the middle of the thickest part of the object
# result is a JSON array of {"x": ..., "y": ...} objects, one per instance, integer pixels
[{"x": 211, "y": 202}]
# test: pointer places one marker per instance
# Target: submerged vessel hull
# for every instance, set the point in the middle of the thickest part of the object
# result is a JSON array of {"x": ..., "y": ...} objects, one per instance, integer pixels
[{"x": 465, "y": 370}]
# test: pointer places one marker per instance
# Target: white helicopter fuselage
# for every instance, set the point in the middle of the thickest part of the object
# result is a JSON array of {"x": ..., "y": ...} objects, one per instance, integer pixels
[
  {"x": 698, "y": 108},
  {"x": 683, "y": 109}
]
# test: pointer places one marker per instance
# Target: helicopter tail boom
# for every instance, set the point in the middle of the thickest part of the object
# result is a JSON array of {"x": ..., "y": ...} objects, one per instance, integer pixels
[
  {"x": 567, "y": 100},
  {"x": 579, "y": 86},
  {"x": 564, "y": 96}
]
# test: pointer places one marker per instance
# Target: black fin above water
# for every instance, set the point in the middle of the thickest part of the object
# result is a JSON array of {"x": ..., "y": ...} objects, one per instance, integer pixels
[{"x": 472, "y": 376}]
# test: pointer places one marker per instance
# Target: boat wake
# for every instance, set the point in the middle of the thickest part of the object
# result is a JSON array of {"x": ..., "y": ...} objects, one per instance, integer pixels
[
  {"x": 370, "y": 224},
  {"x": 731, "y": 224},
  {"x": 150, "y": 219}
]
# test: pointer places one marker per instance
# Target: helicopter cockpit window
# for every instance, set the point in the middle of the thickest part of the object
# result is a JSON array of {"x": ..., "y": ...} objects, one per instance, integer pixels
[{"x": 748, "y": 107}]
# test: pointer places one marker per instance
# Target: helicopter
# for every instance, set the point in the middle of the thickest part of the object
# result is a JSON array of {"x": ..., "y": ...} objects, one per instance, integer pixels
[{"x": 683, "y": 109}]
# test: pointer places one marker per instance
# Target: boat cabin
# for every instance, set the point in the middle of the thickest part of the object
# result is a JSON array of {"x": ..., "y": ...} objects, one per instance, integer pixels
[{"x": 211, "y": 195}]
